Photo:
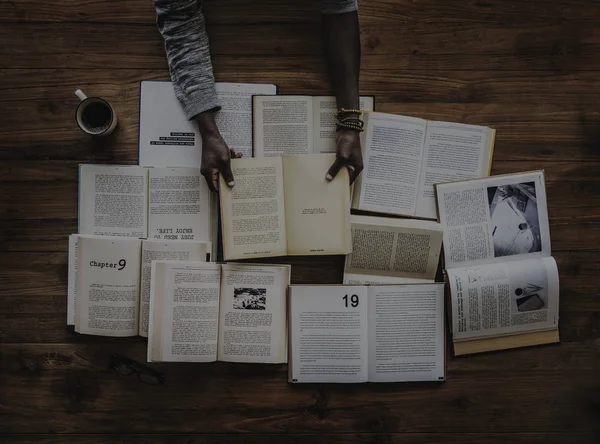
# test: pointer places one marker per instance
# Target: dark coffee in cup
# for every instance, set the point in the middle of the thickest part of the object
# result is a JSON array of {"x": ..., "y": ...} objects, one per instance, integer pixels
[{"x": 95, "y": 116}]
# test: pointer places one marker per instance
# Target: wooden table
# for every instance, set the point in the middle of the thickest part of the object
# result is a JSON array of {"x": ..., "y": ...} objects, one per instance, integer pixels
[{"x": 529, "y": 68}]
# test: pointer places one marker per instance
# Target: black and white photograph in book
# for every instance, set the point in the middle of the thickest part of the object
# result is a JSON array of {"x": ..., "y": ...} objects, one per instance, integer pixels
[
  {"x": 529, "y": 288},
  {"x": 514, "y": 219},
  {"x": 250, "y": 298}
]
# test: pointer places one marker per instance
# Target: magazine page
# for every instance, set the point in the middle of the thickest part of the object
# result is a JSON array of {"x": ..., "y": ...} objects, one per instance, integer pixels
[
  {"x": 497, "y": 219},
  {"x": 169, "y": 139},
  {"x": 453, "y": 152},
  {"x": 392, "y": 151},
  {"x": 328, "y": 334},
  {"x": 180, "y": 205},
  {"x": 406, "y": 333},
  {"x": 184, "y": 311},
  {"x": 165, "y": 250},
  {"x": 113, "y": 200},
  {"x": 252, "y": 318},
  {"x": 505, "y": 298},
  {"x": 390, "y": 250}
]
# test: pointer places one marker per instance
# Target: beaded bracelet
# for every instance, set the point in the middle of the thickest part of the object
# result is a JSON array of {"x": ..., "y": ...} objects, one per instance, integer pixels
[{"x": 350, "y": 122}]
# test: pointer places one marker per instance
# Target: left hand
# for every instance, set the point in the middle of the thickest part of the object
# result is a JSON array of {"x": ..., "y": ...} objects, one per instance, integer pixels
[{"x": 348, "y": 154}]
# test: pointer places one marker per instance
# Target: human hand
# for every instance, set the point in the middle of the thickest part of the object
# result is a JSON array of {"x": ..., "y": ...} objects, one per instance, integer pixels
[
  {"x": 348, "y": 154},
  {"x": 216, "y": 155}
]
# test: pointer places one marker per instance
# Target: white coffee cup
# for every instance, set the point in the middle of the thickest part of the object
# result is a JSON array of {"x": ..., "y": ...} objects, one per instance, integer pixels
[{"x": 94, "y": 115}]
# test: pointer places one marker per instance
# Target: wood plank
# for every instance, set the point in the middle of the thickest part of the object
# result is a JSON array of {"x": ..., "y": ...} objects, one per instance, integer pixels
[
  {"x": 417, "y": 45},
  {"x": 276, "y": 11},
  {"x": 74, "y": 379}
]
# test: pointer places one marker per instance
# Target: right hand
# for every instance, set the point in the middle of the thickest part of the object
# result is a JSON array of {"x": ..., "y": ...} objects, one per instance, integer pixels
[{"x": 216, "y": 155}]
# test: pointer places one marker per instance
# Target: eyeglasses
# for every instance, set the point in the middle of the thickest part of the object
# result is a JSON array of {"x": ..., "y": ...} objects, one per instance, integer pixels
[{"x": 127, "y": 366}]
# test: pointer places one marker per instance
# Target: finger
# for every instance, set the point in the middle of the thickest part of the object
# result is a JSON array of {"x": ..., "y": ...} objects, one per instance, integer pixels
[
  {"x": 354, "y": 172},
  {"x": 212, "y": 180},
  {"x": 335, "y": 168},
  {"x": 234, "y": 154},
  {"x": 227, "y": 174}
]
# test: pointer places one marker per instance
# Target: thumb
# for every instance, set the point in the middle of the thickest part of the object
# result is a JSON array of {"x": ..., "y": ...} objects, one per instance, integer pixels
[
  {"x": 227, "y": 174},
  {"x": 334, "y": 168}
]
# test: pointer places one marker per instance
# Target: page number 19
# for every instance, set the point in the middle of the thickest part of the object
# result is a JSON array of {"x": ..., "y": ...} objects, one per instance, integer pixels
[{"x": 353, "y": 300}]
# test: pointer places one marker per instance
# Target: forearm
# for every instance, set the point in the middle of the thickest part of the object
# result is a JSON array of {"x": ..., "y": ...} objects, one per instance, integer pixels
[
  {"x": 182, "y": 26},
  {"x": 341, "y": 44}
]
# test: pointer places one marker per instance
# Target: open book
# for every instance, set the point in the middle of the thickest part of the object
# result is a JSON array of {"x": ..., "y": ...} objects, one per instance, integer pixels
[
  {"x": 202, "y": 312},
  {"x": 387, "y": 250},
  {"x": 155, "y": 203},
  {"x": 168, "y": 138},
  {"x": 345, "y": 333},
  {"x": 289, "y": 125},
  {"x": 109, "y": 281},
  {"x": 284, "y": 206},
  {"x": 502, "y": 279},
  {"x": 404, "y": 157}
]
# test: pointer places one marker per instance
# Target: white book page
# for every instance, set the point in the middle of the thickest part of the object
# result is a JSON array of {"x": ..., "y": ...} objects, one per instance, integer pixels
[
  {"x": 165, "y": 250},
  {"x": 392, "y": 151},
  {"x": 72, "y": 279},
  {"x": 180, "y": 205},
  {"x": 113, "y": 200},
  {"x": 497, "y": 219},
  {"x": 168, "y": 138},
  {"x": 377, "y": 279},
  {"x": 282, "y": 125},
  {"x": 253, "y": 211},
  {"x": 504, "y": 298},
  {"x": 189, "y": 313},
  {"x": 394, "y": 248},
  {"x": 453, "y": 151},
  {"x": 324, "y": 114},
  {"x": 252, "y": 320},
  {"x": 328, "y": 332},
  {"x": 406, "y": 333},
  {"x": 108, "y": 286}
]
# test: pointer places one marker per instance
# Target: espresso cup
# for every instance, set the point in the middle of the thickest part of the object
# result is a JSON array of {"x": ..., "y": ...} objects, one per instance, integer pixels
[{"x": 94, "y": 115}]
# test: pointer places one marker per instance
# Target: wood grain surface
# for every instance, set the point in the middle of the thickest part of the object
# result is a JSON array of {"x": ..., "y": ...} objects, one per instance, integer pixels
[{"x": 530, "y": 69}]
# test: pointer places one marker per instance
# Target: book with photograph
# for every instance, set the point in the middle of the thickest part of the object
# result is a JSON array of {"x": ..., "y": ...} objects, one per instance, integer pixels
[
  {"x": 388, "y": 250},
  {"x": 283, "y": 206},
  {"x": 109, "y": 281},
  {"x": 357, "y": 333},
  {"x": 169, "y": 139},
  {"x": 205, "y": 312},
  {"x": 503, "y": 281},
  {"x": 288, "y": 125},
  {"x": 405, "y": 156}
]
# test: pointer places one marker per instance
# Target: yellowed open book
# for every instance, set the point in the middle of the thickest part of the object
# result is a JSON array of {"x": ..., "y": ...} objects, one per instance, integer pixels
[
  {"x": 283, "y": 206},
  {"x": 502, "y": 281}
]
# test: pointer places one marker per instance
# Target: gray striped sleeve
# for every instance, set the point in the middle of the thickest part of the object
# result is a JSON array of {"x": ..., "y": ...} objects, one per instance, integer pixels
[
  {"x": 182, "y": 26},
  {"x": 338, "y": 6}
]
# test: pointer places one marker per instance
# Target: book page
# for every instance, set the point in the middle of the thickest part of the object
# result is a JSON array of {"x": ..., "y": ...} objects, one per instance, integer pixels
[
  {"x": 253, "y": 211},
  {"x": 392, "y": 150},
  {"x": 108, "y": 286},
  {"x": 453, "y": 152},
  {"x": 317, "y": 211},
  {"x": 113, "y": 200},
  {"x": 72, "y": 279},
  {"x": 394, "y": 248},
  {"x": 252, "y": 319},
  {"x": 180, "y": 206},
  {"x": 325, "y": 119},
  {"x": 169, "y": 139},
  {"x": 504, "y": 298},
  {"x": 406, "y": 333},
  {"x": 282, "y": 125},
  {"x": 185, "y": 308},
  {"x": 328, "y": 334},
  {"x": 374, "y": 279},
  {"x": 497, "y": 219},
  {"x": 165, "y": 251}
]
